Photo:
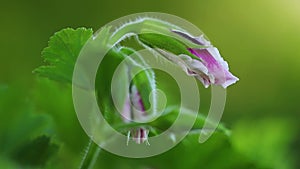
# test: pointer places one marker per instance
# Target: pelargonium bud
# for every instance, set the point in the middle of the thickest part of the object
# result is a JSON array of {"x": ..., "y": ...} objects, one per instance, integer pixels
[{"x": 201, "y": 60}]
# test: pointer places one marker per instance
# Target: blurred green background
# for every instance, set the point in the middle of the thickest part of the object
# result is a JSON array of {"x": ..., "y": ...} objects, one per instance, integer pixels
[{"x": 259, "y": 39}]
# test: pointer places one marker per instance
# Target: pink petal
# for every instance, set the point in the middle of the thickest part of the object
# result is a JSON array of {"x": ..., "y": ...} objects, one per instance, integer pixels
[
  {"x": 137, "y": 102},
  {"x": 216, "y": 66},
  {"x": 191, "y": 66},
  {"x": 126, "y": 112},
  {"x": 200, "y": 40}
]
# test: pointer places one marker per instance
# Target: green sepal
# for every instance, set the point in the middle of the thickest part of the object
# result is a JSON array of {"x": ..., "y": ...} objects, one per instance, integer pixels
[{"x": 164, "y": 42}]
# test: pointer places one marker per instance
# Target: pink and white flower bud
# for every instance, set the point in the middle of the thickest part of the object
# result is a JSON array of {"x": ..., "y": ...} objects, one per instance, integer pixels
[
  {"x": 209, "y": 69},
  {"x": 139, "y": 135}
]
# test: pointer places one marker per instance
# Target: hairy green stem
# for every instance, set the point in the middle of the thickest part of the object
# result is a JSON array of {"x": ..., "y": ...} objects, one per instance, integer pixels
[
  {"x": 90, "y": 157},
  {"x": 147, "y": 25}
]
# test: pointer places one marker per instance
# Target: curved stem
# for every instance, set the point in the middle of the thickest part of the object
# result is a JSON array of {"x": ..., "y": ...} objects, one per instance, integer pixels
[{"x": 147, "y": 25}]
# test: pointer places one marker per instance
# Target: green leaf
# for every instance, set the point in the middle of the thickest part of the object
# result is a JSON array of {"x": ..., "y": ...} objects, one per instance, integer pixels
[
  {"x": 168, "y": 117},
  {"x": 21, "y": 123},
  {"x": 61, "y": 54},
  {"x": 215, "y": 153},
  {"x": 36, "y": 152},
  {"x": 266, "y": 141}
]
